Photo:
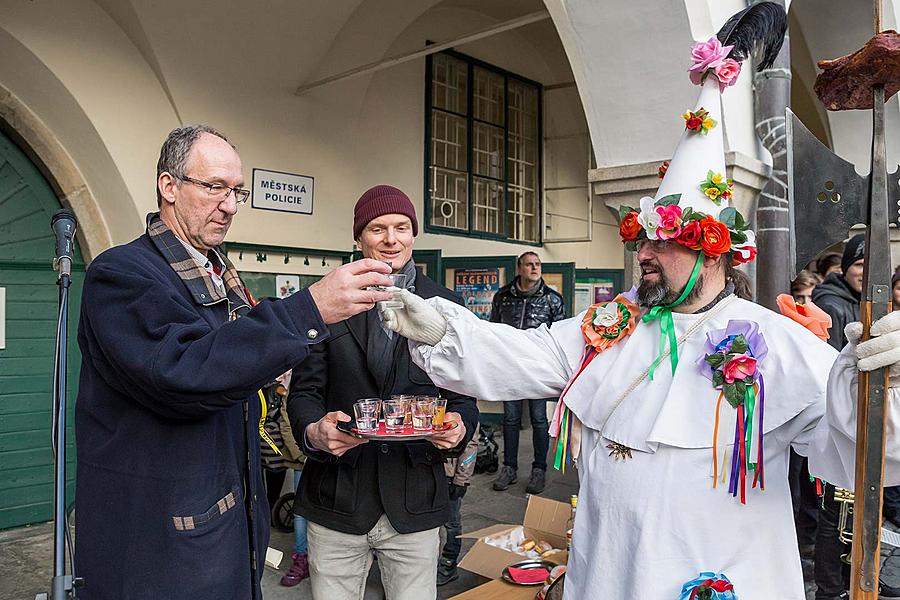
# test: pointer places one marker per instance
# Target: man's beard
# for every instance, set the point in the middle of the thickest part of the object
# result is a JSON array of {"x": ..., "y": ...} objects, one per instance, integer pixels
[{"x": 661, "y": 293}]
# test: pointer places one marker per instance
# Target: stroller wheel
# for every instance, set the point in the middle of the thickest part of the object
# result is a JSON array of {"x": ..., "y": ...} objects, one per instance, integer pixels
[{"x": 283, "y": 513}]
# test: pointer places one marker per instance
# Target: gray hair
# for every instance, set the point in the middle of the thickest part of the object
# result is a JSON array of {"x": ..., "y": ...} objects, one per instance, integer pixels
[{"x": 174, "y": 151}]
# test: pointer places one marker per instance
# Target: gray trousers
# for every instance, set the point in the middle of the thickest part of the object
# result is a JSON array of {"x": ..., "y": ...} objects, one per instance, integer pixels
[{"x": 339, "y": 563}]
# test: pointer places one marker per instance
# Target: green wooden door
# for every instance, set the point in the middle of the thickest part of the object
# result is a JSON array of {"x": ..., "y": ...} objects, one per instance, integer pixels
[{"x": 26, "y": 362}]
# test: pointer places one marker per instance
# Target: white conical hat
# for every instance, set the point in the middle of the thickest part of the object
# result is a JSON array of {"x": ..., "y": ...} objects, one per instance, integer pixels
[
  {"x": 690, "y": 204},
  {"x": 696, "y": 155}
]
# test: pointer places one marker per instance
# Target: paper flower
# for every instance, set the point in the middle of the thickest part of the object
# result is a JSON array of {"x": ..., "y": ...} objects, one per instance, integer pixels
[
  {"x": 629, "y": 228},
  {"x": 605, "y": 324},
  {"x": 731, "y": 356},
  {"x": 662, "y": 169},
  {"x": 649, "y": 218},
  {"x": 809, "y": 315},
  {"x": 705, "y": 56},
  {"x": 716, "y": 237},
  {"x": 708, "y": 586},
  {"x": 699, "y": 121},
  {"x": 727, "y": 73},
  {"x": 716, "y": 187},
  {"x": 669, "y": 221}
]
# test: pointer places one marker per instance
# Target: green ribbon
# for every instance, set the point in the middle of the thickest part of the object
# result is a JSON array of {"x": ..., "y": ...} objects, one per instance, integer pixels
[
  {"x": 749, "y": 407},
  {"x": 667, "y": 325}
]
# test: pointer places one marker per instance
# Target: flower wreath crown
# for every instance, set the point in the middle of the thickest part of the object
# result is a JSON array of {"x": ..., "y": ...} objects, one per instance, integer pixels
[{"x": 664, "y": 219}]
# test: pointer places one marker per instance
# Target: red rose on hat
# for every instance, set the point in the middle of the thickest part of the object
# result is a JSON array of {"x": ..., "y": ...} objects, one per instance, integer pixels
[
  {"x": 691, "y": 235},
  {"x": 629, "y": 228}
]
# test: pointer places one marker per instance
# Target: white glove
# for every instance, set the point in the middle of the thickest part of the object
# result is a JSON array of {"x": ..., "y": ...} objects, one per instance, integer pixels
[
  {"x": 882, "y": 349},
  {"x": 417, "y": 320}
]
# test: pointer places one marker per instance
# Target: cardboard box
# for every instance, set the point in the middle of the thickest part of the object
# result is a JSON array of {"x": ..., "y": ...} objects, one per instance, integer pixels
[
  {"x": 544, "y": 520},
  {"x": 499, "y": 590}
]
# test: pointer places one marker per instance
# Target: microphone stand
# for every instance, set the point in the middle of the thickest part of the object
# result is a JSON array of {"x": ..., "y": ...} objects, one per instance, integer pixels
[{"x": 63, "y": 585}]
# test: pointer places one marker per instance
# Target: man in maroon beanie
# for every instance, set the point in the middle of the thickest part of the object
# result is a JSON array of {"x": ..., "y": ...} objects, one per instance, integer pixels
[{"x": 381, "y": 497}]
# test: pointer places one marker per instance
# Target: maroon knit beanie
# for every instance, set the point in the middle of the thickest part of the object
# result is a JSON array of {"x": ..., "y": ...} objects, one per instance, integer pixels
[{"x": 382, "y": 200}]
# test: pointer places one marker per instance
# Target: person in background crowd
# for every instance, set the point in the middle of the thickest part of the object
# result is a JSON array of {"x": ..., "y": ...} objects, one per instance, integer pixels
[
  {"x": 171, "y": 502},
  {"x": 379, "y": 498},
  {"x": 526, "y": 303},
  {"x": 278, "y": 426},
  {"x": 459, "y": 471},
  {"x": 828, "y": 264},
  {"x": 838, "y": 295},
  {"x": 804, "y": 496},
  {"x": 895, "y": 290}
]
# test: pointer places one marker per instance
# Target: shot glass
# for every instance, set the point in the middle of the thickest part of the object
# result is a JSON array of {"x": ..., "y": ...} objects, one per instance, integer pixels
[
  {"x": 423, "y": 413},
  {"x": 440, "y": 409},
  {"x": 398, "y": 280},
  {"x": 407, "y": 406},
  {"x": 366, "y": 413},
  {"x": 394, "y": 413}
]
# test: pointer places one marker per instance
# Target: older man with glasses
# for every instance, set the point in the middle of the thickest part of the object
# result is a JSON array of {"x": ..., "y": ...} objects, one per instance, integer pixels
[{"x": 169, "y": 490}]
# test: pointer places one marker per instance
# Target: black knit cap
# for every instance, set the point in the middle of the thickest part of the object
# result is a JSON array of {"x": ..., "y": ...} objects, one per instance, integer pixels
[{"x": 855, "y": 250}]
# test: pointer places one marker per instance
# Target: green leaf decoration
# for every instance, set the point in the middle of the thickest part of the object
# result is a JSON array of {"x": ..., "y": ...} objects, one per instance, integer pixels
[
  {"x": 739, "y": 344},
  {"x": 732, "y": 395},
  {"x": 704, "y": 593},
  {"x": 668, "y": 200},
  {"x": 686, "y": 213},
  {"x": 739, "y": 222},
  {"x": 631, "y": 246},
  {"x": 728, "y": 216},
  {"x": 710, "y": 175},
  {"x": 738, "y": 237},
  {"x": 718, "y": 379},
  {"x": 624, "y": 210},
  {"x": 715, "y": 360}
]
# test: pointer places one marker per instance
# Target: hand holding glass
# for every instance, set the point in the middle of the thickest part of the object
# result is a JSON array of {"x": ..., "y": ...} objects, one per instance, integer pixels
[{"x": 366, "y": 413}]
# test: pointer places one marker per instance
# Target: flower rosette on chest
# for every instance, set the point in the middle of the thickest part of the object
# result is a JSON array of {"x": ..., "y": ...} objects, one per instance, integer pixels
[
  {"x": 731, "y": 360},
  {"x": 606, "y": 323}
]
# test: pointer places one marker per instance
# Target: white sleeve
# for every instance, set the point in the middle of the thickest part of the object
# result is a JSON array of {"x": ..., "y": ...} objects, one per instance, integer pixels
[
  {"x": 828, "y": 437},
  {"x": 493, "y": 361}
]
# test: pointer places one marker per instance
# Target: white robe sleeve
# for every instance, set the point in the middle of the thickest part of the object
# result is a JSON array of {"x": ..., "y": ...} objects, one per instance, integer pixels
[
  {"x": 493, "y": 361},
  {"x": 826, "y": 430}
]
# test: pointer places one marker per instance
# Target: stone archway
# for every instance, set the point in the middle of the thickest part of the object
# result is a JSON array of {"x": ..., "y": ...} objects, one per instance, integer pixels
[{"x": 45, "y": 150}]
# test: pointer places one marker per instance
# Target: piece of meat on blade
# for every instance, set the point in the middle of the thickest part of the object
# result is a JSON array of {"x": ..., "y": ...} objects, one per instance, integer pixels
[{"x": 846, "y": 83}]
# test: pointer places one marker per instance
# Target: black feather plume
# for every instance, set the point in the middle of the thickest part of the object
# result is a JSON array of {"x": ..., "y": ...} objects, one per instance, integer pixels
[{"x": 759, "y": 27}]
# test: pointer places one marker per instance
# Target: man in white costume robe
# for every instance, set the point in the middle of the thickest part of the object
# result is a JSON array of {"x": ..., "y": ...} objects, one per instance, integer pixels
[{"x": 649, "y": 516}]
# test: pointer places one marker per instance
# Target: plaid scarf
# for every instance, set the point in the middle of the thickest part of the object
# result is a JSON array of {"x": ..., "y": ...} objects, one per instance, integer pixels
[{"x": 194, "y": 276}]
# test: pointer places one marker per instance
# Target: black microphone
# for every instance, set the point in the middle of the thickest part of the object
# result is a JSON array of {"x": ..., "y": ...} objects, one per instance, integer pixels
[{"x": 63, "y": 225}]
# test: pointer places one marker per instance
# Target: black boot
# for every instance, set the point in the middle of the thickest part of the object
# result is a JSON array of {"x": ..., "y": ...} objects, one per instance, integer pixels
[
  {"x": 537, "y": 481},
  {"x": 446, "y": 571},
  {"x": 507, "y": 478}
]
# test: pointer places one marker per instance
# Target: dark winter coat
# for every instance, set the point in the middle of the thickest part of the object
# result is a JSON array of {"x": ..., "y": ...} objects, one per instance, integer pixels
[
  {"x": 513, "y": 307},
  {"x": 404, "y": 481},
  {"x": 841, "y": 302},
  {"x": 170, "y": 502}
]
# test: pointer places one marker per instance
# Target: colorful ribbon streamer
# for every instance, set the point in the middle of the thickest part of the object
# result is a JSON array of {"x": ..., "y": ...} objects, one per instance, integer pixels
[
  {"x": 262, "y": 423},
  {"x": 566, "y": 419},
  {"x": 750, "y": 414},
  {"x": 666, "y": 323}
]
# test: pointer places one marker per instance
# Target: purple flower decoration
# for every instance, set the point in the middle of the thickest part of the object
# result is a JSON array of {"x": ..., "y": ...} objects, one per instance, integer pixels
[
  {"x": 631, "y": 294},
  {"x": 720, "y": 341}
]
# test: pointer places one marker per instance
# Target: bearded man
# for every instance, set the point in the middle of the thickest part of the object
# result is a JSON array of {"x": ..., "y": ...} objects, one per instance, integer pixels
[{"x": 679, "y": 401}]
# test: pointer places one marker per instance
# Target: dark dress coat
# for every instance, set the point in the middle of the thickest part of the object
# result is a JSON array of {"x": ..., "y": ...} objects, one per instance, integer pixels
[
  {"x": 527, "y": 311},
  {"x": 405, "y": 481},
  {"x": 170, "y": 501}
]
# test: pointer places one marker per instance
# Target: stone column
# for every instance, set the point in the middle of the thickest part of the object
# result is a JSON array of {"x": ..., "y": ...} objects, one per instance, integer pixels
[{"x": 772, "y": 95}]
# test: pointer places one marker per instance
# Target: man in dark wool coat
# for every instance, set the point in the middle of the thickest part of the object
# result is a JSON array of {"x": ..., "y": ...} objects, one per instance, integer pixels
[{"x": 170, "y": 501}]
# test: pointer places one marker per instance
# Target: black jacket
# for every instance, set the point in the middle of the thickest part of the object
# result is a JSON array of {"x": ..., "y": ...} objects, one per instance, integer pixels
[
  {"x": 841, "y": 302},
  {"x": 514, "y": 308},
  {"x": 405, "y": 481}
]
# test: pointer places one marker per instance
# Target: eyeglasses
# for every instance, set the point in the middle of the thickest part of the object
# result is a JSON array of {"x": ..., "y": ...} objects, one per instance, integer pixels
[
  {"x": 219, "y": 192},
  {"x": 657, "y": 246}
]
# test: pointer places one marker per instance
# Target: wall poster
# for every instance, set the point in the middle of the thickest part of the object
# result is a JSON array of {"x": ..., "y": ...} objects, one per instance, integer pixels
[{"x": 477, "y": 288}]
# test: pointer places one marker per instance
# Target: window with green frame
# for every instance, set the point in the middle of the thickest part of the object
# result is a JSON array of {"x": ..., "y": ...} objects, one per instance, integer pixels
[{"x": 482, "y": 150}]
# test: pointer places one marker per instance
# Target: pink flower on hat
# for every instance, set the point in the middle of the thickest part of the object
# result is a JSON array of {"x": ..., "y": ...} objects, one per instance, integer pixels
[
  {"x": 669, "y": 222},
  {"x": 727, "y": 73},
  {"x": 706, "y": 55}
]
